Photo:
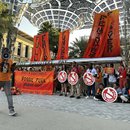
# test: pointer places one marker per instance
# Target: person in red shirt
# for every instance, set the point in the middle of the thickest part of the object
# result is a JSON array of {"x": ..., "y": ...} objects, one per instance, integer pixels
[{"x": 122, "y": 75}]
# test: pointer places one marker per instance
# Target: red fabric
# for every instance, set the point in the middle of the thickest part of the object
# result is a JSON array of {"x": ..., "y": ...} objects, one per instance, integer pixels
[
  {"x": 37, "y": 51},
  {"x": 63, "y": 45},
  {"x": 35, "y": 82},
  {"x": 112, "y": 40},
  {"x": 41, "y": 51},
  {"x": 45, "y": 47},
  {"x": 96, "y": 43},
  {"x": 104, "y": 40}
]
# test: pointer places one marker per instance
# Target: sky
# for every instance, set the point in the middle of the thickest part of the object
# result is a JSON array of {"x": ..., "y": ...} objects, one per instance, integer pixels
[{"x": 31, "y": 30}]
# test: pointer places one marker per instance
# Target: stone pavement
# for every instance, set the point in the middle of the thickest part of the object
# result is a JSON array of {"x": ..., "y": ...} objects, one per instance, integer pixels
[{"x": 43, "y": 112}]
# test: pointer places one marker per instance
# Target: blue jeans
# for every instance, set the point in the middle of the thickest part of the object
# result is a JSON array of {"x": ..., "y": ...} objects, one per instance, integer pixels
[
  {"x": 91, "y": 88},
  {"x": 7, "y": 85}
]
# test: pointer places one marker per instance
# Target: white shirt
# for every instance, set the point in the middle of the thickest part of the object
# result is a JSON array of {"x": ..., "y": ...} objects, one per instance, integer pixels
[{"x": 92, "y": 71}]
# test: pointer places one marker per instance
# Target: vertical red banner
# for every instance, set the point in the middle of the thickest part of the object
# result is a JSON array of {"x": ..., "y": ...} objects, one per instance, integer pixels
[
  {"x": 112, "y": 39},
  {"x": 63, "y": 45},
  {"x": 45, "y": 46},
  {"x": 37, "y": 51},
  {"x": 96, "y": 43},
  {"x": 41, "y": 51}
]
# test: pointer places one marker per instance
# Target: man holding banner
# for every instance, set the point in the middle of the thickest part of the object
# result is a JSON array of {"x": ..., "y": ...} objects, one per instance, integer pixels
[{"x": 5, "y": 77}]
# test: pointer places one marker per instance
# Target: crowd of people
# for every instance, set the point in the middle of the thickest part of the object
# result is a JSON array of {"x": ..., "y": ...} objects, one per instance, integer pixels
[{"x": 106, "y": 75}]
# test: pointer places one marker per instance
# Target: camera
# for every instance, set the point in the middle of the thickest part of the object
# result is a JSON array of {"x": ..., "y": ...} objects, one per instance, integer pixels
[{"x": 5, "y": 53}]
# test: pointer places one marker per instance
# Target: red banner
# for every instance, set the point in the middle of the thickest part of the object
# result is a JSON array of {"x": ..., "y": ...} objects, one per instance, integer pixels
[
  {"x": 35, "y": 82},
  {"x": 45, "y": 46},
  {"x": 96, "y": 43},
  {"x": 37, "y": 51},
  {"x": 104, "y": 40},
  {"x": 41, "y": 51},
  {"x": 112, "y": 40},
  {"x": 63, "y": 45}
]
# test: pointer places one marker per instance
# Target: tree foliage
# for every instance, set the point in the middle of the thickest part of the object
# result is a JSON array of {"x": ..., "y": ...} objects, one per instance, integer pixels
[
  {"x": 6, "y": 20},
  {"x": 77, "y": 48}
]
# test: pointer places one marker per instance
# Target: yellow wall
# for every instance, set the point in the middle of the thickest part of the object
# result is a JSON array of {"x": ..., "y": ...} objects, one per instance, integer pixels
[{"x": 24, "y": 42}]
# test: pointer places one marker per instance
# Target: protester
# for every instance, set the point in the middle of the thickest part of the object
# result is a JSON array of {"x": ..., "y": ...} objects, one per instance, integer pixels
[
  {"x": 77, "y": 86},
  {"x": 98, "y": 78},
  {"x": 122, "y": 96},
  {"x": 122, "y": 75},
  {"x": 81, "y": 81},
  {"x": 56, "y": 83},
  {"x": 105, "y": 76},
  {"x": 112, "y": 78},
  {"x": 93, "y": 71},
  {"x": 98, "y": 95},
  {"x": 64, "y": 85},
  {"x": 5, "y": 78}
]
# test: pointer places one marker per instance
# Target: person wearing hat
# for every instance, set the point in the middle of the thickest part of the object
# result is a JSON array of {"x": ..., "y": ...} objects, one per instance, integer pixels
[{"x": 5, "y": 78}]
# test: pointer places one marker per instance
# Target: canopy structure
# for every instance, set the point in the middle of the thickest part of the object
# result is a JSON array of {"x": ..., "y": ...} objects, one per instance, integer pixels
[{"x": 73, "y": 14}]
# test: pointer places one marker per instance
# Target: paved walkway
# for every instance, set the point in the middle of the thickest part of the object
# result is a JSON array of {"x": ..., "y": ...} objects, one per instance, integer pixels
[{"x": 43, "y": 112}]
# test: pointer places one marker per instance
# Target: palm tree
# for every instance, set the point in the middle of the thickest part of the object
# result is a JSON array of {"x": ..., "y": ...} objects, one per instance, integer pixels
[
  {"x": 45, "y": 27},
  {"x": 6, "y": 21},
  {"x": 53, "y": 36},
  {"x": 77, "y": 48}
]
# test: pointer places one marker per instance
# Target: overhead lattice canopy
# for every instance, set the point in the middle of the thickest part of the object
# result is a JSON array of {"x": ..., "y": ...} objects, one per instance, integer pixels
[{"x": 73, "y": 14}]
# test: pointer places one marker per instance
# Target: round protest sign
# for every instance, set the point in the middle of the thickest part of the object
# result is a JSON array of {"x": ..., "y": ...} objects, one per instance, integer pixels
[
  {"x": 88, "y": 79},
  {"x": 73, "y": 78},
  {"x": 62, "y": 76},
  {"x": 109, "y": 94}
]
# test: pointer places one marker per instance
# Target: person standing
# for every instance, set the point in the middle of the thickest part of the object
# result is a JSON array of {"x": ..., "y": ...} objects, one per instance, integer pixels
[
  {"x": 75, "y": 88},
  {"x": 64, "y": 85},
  {"x": 105, "y": 76},
  {"x": 122, "y": 76},
  {"x": 5, "y": 78},
  {"x": 93, "y": 71}
]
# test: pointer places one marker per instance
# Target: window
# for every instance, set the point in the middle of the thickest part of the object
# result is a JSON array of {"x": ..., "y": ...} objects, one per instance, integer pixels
[
  {"x": 19, "y": 49},
  {"x": 26, "y": 51}
]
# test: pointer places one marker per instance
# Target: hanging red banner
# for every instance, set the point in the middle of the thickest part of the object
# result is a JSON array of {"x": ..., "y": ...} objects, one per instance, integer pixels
[
  {"x": 112, "y": 40},
  {"x": 96, "y": 43},
  {"x": 63, "y": 45},
  {"x": 45, "y": 46},
  {"x": 41, "y": 51},
  {"x": 37, "y": 51},
  {"x": 35, "y": 82}
]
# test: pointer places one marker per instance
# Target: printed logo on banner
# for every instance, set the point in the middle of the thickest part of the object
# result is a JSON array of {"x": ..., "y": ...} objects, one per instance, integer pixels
[
  {"x": 88, "y": 79},
  {"x": 109, "y": 95},
  {"x": 62, "y": 76},
  {"x": 73, "y": 78}
]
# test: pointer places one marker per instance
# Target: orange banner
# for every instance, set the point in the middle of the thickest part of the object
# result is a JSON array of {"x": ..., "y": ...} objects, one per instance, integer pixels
[
  {"x": 41, "y": 51},
  {"x": 63, "y": 45},
  {"x": 35, "y": 82},
  {"x": 37, "y": 51},
  {"x": 112, "y": 40},
  {"x": 96, "y": 43},
  {"x": 109, "y": 70}
]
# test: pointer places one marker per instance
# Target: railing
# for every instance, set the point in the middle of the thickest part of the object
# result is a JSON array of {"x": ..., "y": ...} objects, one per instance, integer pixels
[{"x": 105, "y": 60}]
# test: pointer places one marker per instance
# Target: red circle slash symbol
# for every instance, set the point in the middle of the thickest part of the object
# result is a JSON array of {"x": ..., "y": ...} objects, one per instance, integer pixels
[
  {"x": 109, "y": 94},
  {"x": 62, "y": 76}
]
